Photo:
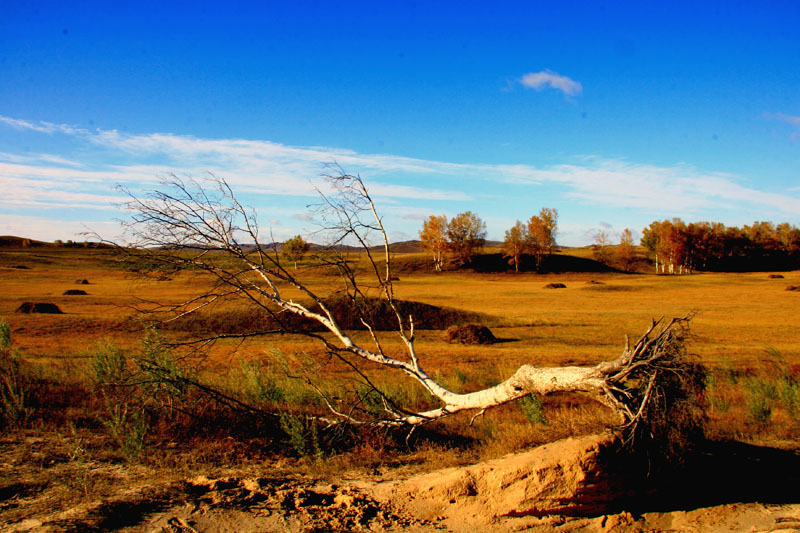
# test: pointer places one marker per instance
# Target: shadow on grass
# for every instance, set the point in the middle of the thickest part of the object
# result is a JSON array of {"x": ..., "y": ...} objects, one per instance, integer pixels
[{"x": 500, "y": 341}]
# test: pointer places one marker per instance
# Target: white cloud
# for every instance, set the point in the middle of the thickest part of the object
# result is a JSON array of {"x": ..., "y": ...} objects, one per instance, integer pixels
[
  {"x": 679, "y": 189},
  {"x": 554, "y": 80},
  {"x": 50, "y": 229},
  {"x": 407, "y": 189}
]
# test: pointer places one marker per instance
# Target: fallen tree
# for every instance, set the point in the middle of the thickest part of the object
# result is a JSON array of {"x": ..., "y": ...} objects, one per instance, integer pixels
[{"x": 202, "y": 226}]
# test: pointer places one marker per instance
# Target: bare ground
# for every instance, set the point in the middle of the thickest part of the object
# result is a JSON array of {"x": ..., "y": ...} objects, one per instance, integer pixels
[{"x": 51, "y": 484}]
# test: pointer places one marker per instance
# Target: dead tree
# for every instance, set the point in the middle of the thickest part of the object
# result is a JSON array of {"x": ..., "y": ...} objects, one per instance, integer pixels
[{"x": 203, "y": 226}]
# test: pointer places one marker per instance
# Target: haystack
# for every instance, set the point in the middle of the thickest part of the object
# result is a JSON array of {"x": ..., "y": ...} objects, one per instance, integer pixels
[
  {"x": 39, "y": 307},
  {"x": 469, "y": 334}
]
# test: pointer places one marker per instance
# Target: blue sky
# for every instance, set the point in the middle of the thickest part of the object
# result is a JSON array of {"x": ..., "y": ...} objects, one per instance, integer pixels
[{"x": 614, "y": 114}]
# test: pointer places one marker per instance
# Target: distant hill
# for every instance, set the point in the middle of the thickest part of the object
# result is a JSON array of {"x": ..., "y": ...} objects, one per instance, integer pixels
[
  {"x": 10, "y": 241},
  {"x": 403, "y": 247}
]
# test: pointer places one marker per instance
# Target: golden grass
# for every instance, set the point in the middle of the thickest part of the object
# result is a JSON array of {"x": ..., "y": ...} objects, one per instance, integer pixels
[{"x": 738, "y": 317}]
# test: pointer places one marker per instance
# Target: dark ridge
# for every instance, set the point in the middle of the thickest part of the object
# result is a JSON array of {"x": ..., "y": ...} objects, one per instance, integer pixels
[
  {"x": 613, "y": 288},
  {"x": 11, "y": 241},
  {"x": 75, "y": 292},
  {"x": 556, "y": 264},
  {"x": 555, "y": 286},
  {"x": 378, "y": 314}
]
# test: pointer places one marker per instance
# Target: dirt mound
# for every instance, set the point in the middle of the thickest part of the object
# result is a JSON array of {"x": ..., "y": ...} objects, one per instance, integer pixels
[
  {"x": 81, "y": 282},
  {"x": 21, "y": 267},
  {"x": 793, "y": 288},
  {"x": 775, "y": 276},
  {"x": 572, "y": 476},
  {"x": 594, "y": 282},
  {"x": 39, "y": 307},
  {"x": 469, "y": 334},
  {"x": 555, "y": 286},
  {"x": 75, "y": 292}
]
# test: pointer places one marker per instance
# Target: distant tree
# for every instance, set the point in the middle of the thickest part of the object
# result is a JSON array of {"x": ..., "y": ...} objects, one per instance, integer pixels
[
  {"x": 542, "y": 230},
  {"x": 294, "y": 249},
  {"x": 433, "y": 238},
  {"x": 669, "y": 244},
  {"x": 625, "y": 250},
  {"x": 466, "y": 233},
  {"x": 600, "y": 248},
  {"x": 789, "y": 238},
  {"x": 515, "y": 243}
]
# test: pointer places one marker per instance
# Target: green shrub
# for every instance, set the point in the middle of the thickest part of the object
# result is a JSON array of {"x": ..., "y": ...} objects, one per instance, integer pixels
[
  {"x": 257, "y": 385},
  {"x": 127, "y": 425},
  {"x": 371, "y": 401},
  {"x": 108, "y": 366},
  {"x": 533, "y": 409},
  {"x": 14, "y": 386},
  {"x": 302, "y": 434},
  {"x": 760, "y": 400},
  {"x": 163, "y": 379},
  {"x": 5, "y": 335},
  {"x": 789, "y": 394}
]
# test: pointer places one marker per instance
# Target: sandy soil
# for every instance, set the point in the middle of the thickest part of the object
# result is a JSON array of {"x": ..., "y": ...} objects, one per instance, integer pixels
[{"x": 570, "y": 485}]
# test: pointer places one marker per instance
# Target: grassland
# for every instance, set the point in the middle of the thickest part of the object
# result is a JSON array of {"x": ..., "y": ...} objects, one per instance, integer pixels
[
  {"x": 744, "y": 331},
  {"x": 739, "y": 317}
]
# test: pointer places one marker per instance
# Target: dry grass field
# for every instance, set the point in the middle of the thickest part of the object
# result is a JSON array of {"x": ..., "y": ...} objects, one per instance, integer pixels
[{"x": 744, "y": 331}]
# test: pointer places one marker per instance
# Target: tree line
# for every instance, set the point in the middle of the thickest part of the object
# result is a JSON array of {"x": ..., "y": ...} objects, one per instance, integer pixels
[
  {"x": 678, "y": 248},
  {"x": 674, "y": 246}
]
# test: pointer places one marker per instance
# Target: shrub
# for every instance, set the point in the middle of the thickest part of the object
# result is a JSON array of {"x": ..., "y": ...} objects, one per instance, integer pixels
[
  {"x": 257, "y": 385},
  {"x": 302, "y": 433},
  {"x": 127, "y": 425},
  {"x": 14, "y": 386},
  {"x": 108, "y": 366},
  {"x": 760, "y": 401},
  {"x": 533, "y": 409}
]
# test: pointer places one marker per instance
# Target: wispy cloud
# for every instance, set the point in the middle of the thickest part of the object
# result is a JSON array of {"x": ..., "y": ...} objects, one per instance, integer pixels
[
  {"x": 41, "y": 127},
  {"x": 793, "y": 120},
  {"x": 547, "y": 78},
  {"x": 408, "y": 189}
]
